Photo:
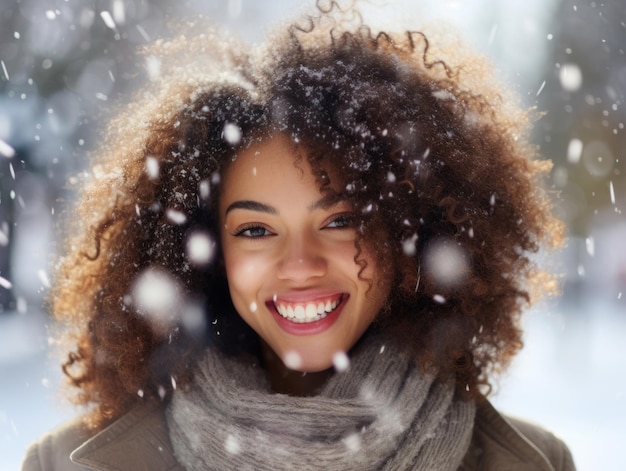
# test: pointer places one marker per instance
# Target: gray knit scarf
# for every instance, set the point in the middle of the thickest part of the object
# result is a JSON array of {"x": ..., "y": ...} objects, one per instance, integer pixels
[{"x": 381, "y": 413}]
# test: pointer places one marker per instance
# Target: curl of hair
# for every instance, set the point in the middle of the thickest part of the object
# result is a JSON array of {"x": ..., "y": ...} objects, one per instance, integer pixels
[{"x": 432, "y": 155}]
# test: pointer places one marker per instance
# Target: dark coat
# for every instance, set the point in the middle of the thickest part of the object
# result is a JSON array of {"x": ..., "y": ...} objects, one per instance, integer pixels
[{"x": 139, "y": 441}]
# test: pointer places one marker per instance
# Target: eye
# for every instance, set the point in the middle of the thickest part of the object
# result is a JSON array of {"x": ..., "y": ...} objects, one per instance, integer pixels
[
  {"x": 341, "y": 221},
  {"x": 253, "y": 232}
]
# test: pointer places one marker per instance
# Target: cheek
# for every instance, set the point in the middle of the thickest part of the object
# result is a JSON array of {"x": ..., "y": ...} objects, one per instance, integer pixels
[
  {"x": 242, "y": 272},
  {"x": 245, "y": 276},
  {"x": 342, "y": 255}
]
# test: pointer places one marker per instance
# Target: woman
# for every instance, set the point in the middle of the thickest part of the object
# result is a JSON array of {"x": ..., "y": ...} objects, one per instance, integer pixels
[{"x": 366, "y": 208}]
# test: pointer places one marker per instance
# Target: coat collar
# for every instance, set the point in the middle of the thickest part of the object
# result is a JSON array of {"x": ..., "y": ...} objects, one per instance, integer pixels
[
  {"x": 140, "y": 436},
  {"x": 140, "y": 440}
]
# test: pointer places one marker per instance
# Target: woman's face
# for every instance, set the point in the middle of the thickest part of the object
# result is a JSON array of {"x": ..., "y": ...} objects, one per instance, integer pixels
[{"x": 289, "y": 257}]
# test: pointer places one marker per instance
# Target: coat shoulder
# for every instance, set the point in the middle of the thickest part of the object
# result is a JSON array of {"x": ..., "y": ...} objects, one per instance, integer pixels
[
  {"x": 555, "y": 450},
  {"x": 502, "y": 442},
  {"x": 52, "y": 451}
]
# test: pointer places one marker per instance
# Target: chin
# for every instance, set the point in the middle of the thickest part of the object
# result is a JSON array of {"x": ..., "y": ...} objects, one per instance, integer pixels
[
  {"x": 315, "y": 367},
  {"x": 308, "y": 358}
]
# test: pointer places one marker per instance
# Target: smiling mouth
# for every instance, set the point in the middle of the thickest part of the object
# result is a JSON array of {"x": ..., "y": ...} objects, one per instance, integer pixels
[{"x": 304, "y": 313}]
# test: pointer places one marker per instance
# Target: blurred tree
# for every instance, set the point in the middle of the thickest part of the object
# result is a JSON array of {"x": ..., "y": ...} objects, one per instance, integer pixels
[
  {"x": 583, "y": 95},
  {"x": 60, "y": 62}
]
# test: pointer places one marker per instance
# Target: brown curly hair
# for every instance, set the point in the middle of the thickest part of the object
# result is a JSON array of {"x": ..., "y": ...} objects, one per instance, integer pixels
[{"x": 433, "y": 155}]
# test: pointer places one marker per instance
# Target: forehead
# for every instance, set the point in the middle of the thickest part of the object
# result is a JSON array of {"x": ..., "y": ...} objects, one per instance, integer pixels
[
  {"x": 274, "y": 159},
  {"x": 273, "y": 154},
  {"x": 269, "y": 171},
  {"x": 277, "y": 171}
]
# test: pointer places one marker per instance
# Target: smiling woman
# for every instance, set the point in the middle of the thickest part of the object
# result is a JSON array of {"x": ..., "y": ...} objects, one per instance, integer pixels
[
  {"x": 290, "y": 258},
  {"x": 310, "y": 255}
]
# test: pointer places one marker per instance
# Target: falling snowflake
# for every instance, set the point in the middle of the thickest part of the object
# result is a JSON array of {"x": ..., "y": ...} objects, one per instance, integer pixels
[
  {"x": 446, "y": 262},
  {"x": 409, "y": 246},
  {"x": 292, "y": 360},
  {"x": 232, "y": 445},
  {"x": 352, "y": 442},
  {"x": 200, "y": 248},
  {"x": 574, "y": 151},
  {"x": 43, "y": 277},
  {"x": 153, "y": 67},
  {"x": 152, "y": 167},
  {"x": 571, "y": 77},
  {"x": 156, "y": 296},
  {"x": 108, "y": 19},
  {"x": 193, "y": 319},
  {"x": 232, "y": 134},
  {"x": 205, "y": 189},
  {"x": 175, "y": 216},
  {"x": 341, "y": 362},
  {"x": 6, "y": 150},
  {"x": 4, "y": 283}
]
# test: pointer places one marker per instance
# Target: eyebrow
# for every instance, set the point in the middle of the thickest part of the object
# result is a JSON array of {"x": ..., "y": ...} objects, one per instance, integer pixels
[
  {"x": 327, "y": 201},
  {"x": 251, "y": 206},
  {"x": 323, "y": 203}
]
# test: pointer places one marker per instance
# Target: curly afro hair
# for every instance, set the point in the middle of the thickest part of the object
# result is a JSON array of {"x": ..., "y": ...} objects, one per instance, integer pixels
[{"x": 433, "y": 154}]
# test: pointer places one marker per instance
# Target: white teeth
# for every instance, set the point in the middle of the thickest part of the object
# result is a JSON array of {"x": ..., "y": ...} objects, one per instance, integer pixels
[{"x": 309, "y": 312}]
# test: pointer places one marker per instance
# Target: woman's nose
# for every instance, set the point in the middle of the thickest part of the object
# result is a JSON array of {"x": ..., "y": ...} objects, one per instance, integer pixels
[{"x": 301, "y": 259}]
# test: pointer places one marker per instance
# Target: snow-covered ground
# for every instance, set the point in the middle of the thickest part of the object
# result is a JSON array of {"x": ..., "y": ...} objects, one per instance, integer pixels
[
  {"x": 30, "y": 402},
  {"x": 569, "y": 378}
]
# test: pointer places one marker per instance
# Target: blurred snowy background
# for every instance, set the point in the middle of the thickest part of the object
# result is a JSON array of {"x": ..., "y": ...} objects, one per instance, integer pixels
[{"x": 63, "y": 61}]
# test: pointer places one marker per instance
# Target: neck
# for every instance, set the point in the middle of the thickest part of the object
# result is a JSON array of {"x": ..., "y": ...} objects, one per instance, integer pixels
[{"x": 286, "y": 381}]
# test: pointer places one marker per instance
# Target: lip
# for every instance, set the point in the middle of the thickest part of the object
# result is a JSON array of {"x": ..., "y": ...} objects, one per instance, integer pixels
[{"x": 308, "y": 328}]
